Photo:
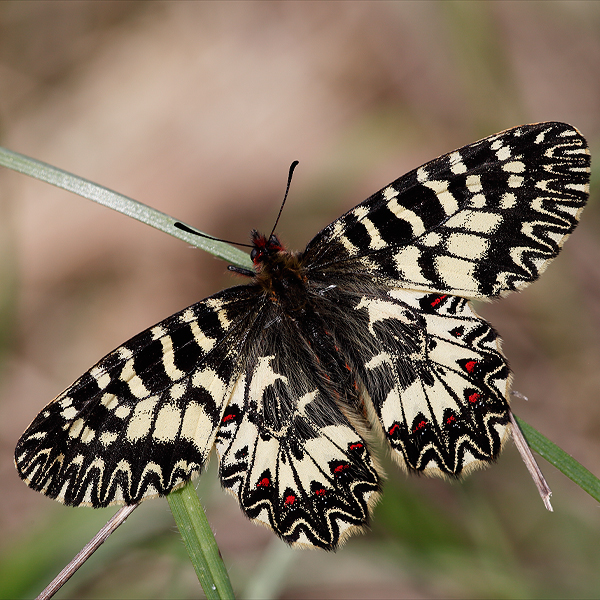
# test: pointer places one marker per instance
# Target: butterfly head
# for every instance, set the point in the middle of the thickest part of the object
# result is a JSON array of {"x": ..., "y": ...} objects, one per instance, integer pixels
[
  {"x": 268, "y": 256},
  {"x": 263, "y": 248}
]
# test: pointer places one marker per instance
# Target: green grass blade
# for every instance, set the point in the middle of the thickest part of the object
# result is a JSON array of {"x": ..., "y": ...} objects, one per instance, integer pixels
[
  {"x": 123, "y": 204},
  {"x": 200, "y": 542},
  {"x": 565, "y": 463}
]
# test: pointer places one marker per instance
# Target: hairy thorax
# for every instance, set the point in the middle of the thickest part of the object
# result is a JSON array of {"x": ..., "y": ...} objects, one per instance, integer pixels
[{"x": 279, "y": 272}]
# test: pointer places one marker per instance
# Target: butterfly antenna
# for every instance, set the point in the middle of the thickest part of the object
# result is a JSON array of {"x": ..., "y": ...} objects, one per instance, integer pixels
[
  {"x": 187, "y": 229},
  {"x": 287, "y": 189}
]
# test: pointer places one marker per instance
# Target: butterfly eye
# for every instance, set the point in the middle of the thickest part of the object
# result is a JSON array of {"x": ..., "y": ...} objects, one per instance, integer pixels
[{"x": 257, "y": 255}]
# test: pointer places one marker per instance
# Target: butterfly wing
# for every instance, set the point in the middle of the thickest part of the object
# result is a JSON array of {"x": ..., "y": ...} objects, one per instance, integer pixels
[
  {"x": 143, "y": 420},
  {"x": 289, "y": 443},
  {"x": 477, "y": 222},
  {"x": 428, "y": 366},
  {"x": 441, "y": 394},
  {"x": 474, "y": 223}
]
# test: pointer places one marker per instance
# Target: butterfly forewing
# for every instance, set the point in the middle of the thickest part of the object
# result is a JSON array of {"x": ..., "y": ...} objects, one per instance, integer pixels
[
  {"x": 477, "y": 222},
  {"x": 370, "y": 330},
  {"x": 143, "y": 420}
]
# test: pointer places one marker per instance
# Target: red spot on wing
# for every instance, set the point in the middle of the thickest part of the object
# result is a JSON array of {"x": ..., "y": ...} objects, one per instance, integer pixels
[
  {"x": 470, "y": 366},
  {"x": 420, "y": 426},
  {"x": 227, "y": 418},
  {"x": 289, "y": 500},
  {"x": 450, "y": 419},
  {"x": 474, "y": 397},
  {"x": 320, "y": 492},
  {"x": 264, "y": 482},
  {"x": 356, "y": 446},
  {"x": 393, "y": 428},
  {"x": 438, "y": 300},
  {"x": 341, "y": 468}
]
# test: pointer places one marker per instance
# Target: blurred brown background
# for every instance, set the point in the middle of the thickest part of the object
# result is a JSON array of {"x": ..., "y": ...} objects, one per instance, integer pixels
[{"x": 197, "y": 109}]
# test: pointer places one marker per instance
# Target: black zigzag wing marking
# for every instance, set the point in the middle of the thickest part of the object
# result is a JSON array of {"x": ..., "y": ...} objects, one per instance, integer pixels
[
  {"x": 478, "y": 222},
  {"x": 142, "y": 421},
  {"x": 288, "y": 445},
  {"x": 434, "y": 373}
]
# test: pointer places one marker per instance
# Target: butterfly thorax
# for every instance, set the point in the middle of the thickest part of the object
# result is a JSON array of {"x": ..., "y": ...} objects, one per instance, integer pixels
[{"x": 278, "y": 271}]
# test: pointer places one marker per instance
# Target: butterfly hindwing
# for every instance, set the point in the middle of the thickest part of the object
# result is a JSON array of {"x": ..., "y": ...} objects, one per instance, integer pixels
[
  {"x": 287, "y": 451},
  {"x": 442, "y": 403},
  {"x": 430, "y": 367},
  {"x": 477, "y": 222},
  {"x": 142, "y": 421}
]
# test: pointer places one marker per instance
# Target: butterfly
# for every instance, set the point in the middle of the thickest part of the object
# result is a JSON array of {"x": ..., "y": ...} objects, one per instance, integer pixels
[{"x": 369, "y": 332}]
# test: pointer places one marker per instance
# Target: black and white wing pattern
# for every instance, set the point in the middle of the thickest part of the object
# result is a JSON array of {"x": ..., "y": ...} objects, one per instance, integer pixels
[
  {"x": 478, "y": 222},
  {"x": 292, "y": 444},
  {"x": 143, "y": 420},
  {"x": 368, "y": 332},
  {"x": 437, "y": 380}
]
